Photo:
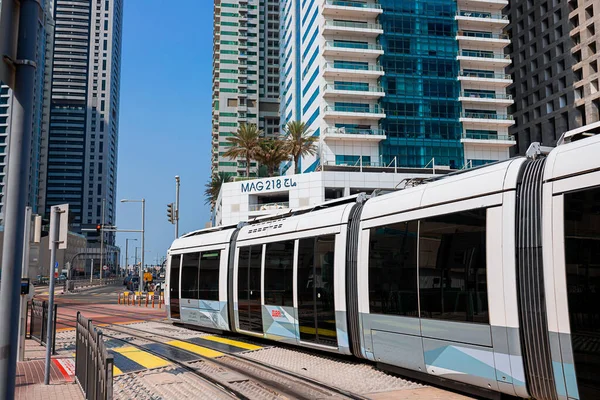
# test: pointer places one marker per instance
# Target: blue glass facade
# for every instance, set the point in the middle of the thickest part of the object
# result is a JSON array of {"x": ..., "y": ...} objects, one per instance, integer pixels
[{"x": 421, "y": 101}]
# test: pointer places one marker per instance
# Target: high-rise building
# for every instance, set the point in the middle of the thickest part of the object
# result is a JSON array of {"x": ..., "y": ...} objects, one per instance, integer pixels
[
  {"x": 409, "y": 83},
  {"x": 40, "y": 118},
  {"x": 80, "y": 159},
  {"x": 555, "y": 51},
  {"x": 245, "y": 74}
]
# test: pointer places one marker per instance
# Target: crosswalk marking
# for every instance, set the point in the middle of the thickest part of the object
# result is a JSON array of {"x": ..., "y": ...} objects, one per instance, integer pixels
[
  {"x": 203, "y": 351},
  {"x": 146, "y": 360},
  {"x": 236, "y": 343}
]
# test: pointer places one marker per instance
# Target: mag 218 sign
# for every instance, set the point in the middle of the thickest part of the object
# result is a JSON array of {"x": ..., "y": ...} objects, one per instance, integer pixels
[{"x": 271, "y": 184}]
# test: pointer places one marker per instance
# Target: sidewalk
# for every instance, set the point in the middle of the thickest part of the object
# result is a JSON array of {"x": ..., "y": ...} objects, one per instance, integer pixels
[{"x": 30, "y": 376}]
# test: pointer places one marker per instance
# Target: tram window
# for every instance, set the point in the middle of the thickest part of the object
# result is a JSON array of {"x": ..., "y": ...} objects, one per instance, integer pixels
[
  {"x": 209, "y": 275},
  {"x": 279, "y": 262},
  {"x": 582, "y": 260},
  {"x": 189, "y": 276},
  {"x": 393, "y": 269},
  {"x": 452, "y": 267}
]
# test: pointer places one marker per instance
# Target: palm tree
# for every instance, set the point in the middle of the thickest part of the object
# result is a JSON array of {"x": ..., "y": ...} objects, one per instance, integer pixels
[
  {"x": 271, "y": 153},
  {"x": 213, "y": 188},
  {"x": 244, "y": 143},
  {"x": 299, "y": 141}
]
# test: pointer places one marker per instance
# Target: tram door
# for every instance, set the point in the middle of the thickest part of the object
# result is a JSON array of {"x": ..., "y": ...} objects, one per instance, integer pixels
[
  {"x": 316, "y": 308},
  {"x": 174, "y": 286},
  {"x": 249, "y": 289},
  {"x": 582, "y": 258}
]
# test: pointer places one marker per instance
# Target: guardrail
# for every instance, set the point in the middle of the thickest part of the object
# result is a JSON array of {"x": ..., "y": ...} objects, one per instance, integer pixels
[
  {"x": 39, "y": 322},
  {"x": 93, "y": 363},
  {"x": 72, "y": 285}
]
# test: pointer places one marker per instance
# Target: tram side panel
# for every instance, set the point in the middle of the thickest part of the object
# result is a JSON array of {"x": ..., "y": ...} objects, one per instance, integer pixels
[{"x": 432, "y": 290}]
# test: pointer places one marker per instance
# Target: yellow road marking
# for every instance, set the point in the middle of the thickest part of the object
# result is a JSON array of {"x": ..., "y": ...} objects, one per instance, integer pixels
[
  {"x": 312, "y": 331},
  {"x": 203, "y": 351},
  {"x": 235, "y": 343},
  {"x": 116, "y": 371},
  {"x": 146, "y": 360}
]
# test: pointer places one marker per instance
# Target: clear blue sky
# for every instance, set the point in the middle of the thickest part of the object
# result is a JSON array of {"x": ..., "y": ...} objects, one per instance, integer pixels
[{"x": 165, "y": 118}]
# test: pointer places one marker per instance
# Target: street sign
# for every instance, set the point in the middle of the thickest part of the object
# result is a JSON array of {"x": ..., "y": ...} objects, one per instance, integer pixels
[
  {"x": 9, "y": 27},
  {"x": 105, "y": 267},
  {"x": 157, "y": 267}
]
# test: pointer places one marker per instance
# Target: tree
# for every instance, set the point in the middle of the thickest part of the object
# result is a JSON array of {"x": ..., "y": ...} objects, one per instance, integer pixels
[
  {"x": 271, "y": 153},
  {"x": 213, "y": 188},
  {"x": 299, "y": 141},
  {"x": 244, "y": 143}
]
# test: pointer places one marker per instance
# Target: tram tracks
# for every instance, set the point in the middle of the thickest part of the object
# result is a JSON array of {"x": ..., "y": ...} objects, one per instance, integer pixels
[{"x": 235, "y": 374}]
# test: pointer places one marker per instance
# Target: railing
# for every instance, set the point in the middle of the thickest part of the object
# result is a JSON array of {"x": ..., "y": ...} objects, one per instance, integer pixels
[
  {"x": 39, "y": 321},
  {"x": 478, "y": 95},
  {"x": 484, "y": 54},
  {"x": 480, "y": 115},
  {"x": 357, "y": 4},
  {"x": 81, "y": 283},
  {"x": 93, "y": 363},
  {"x": 355, "y": 131},
  {"x": 351, "y": 24},
  {"x": 481, "y": 14},
  {"x": 486, "y": 136},
  {"x": 269, "y": 206},
  {"x": 354, "y": 67},
  {"x": 485, "y": 35},
  {"x": 358, "y": 46},
  {"x": 486, "y": 75},
  {"x": 357, "y": 109},
  {"x": 354, "y": 87}
]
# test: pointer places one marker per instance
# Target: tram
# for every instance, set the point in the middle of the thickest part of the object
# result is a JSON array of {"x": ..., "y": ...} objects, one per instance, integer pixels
[{"x": 488, "y": 278}]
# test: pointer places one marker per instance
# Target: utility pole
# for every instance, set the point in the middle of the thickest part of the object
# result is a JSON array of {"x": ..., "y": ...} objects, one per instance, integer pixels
[
  {"x": 177, "y": 182},
  {"x": 24, "y": 274},
  {"x": 102, "y": 239},
  {"x": 17, "y": 181}
]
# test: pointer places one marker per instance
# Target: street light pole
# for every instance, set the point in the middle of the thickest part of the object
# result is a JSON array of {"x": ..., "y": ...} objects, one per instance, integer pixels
[
  {"x": 177, "y": 182},
  {"x": 102, "y": 239},
  {"x": 143, "y": 201},
  {"x": 16, "y": 184}
]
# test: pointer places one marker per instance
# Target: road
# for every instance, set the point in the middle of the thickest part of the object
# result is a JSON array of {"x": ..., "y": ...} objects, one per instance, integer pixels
[{"x": 100, "y": 304}]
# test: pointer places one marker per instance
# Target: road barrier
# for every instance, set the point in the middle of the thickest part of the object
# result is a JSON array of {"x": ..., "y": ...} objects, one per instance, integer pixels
[
  {"x": 38, "y": 323},
  {"x": 74, "y": 285},
  {"x": 93, "y": 363},
  {"x": 148, "y": 299}
]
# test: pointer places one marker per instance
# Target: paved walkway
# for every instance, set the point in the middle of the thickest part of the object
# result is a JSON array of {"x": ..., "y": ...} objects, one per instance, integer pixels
[{"x": 30, "y": 376}]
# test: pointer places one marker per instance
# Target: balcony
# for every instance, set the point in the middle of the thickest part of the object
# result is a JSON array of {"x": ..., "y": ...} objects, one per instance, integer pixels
[
  {"x": 355, "y": 90},
  {"x": 351, "y": 49},
  {"x": 349, "y": 28},
  {"x": 480, "y": 19},
  {"x": 350, "y": 70},
  {"x": 487, "y": 40},
  {"x": 358, "y": 112},
  {"x": 489, "y": 78},
  {"x": 489, "y": 98},
  {"x": 487, "y": 140},
  {"x": 489, "y": 5},
  {"x": 484, "y": 118},
  {"x": 351, "y": 9},
  {"x": 478, "y": 58},
  {"x": 354, "y": 134}
]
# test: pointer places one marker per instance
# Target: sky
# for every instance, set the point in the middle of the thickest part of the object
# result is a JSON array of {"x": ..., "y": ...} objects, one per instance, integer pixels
[{"x": 165, "y": 119}]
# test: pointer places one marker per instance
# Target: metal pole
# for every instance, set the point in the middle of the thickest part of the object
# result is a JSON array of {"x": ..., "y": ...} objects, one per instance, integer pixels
[
  {"x": 92, "y": 270},
  {"x": 102, "y": 240},
  {"x": 24, "y": 274},
  {"x": 17, "y": 183},
  {"x": 143, "y": 249},
  {"x": 53, "y": 238},
  {"x": 126, "y": 253},
  {"x": 177, "y": 182}
]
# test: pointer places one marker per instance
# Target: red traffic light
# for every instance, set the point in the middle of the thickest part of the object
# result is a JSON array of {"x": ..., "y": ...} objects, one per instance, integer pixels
[{"x": 98, "y": 228}]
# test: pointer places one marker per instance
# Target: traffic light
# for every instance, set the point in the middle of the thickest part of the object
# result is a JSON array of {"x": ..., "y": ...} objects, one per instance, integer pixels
[
  {"x": 98, "y": 228},
  {"x": 170, "y": 213}
]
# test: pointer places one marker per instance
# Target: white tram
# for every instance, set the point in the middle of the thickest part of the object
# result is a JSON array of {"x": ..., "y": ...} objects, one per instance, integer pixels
[{"x": 487, "y": 278}]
